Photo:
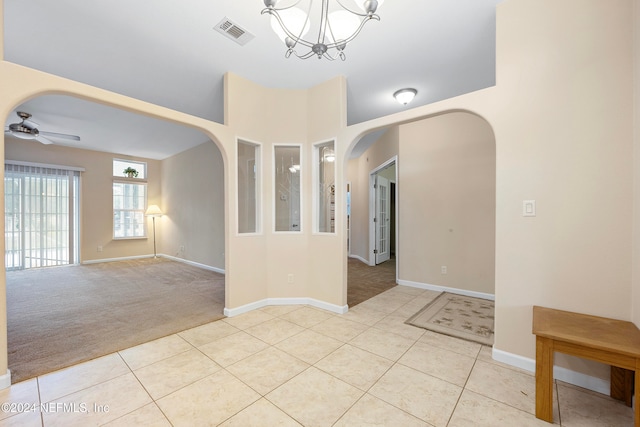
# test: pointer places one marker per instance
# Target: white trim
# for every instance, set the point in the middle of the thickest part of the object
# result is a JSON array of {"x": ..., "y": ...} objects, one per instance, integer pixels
[
  {"x": 465, "y": 292},
  {"x": 315, "y": 185},
  {"x": 371, "y": 215},
  {"x": 349, "y": 186},
  {"x": 44, "y": 165},
  {"x": 359, "y": 258},
  {"x": 98, "y": 261},
  {"x": 5, "y": 380},
  {"x": 230, "y": 312},
  {"x": 589, "y": 382},
  {"x": 142, "y": 183},
  {"x": 259, "y": 187},
  {"x": 127, "y": 180},
  {"x": 172, "y": 258},
  {"x": 274, "y": 202},
  {"x": 193, "y": 263},
  {"x": 372, "y": 210}
]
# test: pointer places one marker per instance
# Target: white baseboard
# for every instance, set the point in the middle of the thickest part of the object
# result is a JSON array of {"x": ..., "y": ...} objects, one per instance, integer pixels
[
  {"x": 438, "y": 288},
  {"x": 5, "y": 380},
  {"x": 359, "y": 258},
  {"x": 172, "y": 258},
  {"x": 230, "y": 312},
  {"x": 98, "y": 261},
  {"x": 559, "y": 373},
  {"x": 195, "y": 264}
]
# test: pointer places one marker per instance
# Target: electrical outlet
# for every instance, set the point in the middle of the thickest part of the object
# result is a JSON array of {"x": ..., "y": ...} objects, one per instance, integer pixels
[
  {"x": 528, "y": 208},
  {"x": 99, "y": 249},
  {"x": 290, "y": 278},
  {"x": 181, "y": 248},
  {"x": 443, "y": 269}
]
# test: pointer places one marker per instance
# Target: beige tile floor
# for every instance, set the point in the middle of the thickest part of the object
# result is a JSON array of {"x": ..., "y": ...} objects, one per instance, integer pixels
[{"x": 297, "y": 365}]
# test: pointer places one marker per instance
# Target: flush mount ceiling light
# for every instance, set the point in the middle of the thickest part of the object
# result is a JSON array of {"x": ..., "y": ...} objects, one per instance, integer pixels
[
  {"x": 336, "y": 25},
  {"x": 405, "y": 96}
]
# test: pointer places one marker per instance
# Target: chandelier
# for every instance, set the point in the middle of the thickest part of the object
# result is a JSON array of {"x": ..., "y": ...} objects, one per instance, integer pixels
[{"x": 335, "y": 28}]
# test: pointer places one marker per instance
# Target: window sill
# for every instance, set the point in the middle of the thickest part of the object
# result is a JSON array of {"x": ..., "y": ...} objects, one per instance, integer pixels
[{"x": 131, "y": 238}]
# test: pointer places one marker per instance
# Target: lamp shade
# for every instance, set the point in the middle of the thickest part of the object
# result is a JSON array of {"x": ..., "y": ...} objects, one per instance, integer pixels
[{"x": 153, "y": 210}]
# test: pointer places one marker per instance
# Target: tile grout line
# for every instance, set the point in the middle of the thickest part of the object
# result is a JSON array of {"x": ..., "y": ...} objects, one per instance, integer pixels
[{"x": 146, "y": 391}]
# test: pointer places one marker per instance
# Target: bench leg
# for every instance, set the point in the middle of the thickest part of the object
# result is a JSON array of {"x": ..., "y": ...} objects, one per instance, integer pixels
[
  {"x": 544, "y": 379},
  {"x": 622, "y": 385},
  {"x": 637, "y": 393}
]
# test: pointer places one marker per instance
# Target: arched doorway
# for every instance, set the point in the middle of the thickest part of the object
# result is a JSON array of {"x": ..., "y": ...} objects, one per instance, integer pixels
[
  {"x": 183, "y": 181},
  {"x": 445, "y": 198}
]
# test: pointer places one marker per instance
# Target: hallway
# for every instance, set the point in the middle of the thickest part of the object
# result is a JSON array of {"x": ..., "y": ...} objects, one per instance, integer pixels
[{"x": 364, "y": 281}]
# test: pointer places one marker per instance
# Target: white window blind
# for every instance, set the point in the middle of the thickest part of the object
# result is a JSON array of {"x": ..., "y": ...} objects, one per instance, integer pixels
[
  {"x": 41, "y": 216},
  {"x": 129, "y": 202}
]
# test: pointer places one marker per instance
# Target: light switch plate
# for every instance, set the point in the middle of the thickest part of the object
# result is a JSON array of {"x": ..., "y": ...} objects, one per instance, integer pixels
[{"x": 528, "y": 208}]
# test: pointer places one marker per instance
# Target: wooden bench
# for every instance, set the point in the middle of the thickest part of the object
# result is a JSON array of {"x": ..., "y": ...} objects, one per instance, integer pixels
[{"x": 614, "y": 342}]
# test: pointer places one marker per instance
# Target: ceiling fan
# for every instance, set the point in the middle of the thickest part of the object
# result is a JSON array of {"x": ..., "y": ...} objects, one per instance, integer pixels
[{"x": 28, "y": 129}]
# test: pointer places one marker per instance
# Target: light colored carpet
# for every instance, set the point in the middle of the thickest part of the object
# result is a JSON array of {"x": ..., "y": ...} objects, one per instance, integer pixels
[
  {"x": 60, "y": 316},
  {"x": 459, "y": 316}
]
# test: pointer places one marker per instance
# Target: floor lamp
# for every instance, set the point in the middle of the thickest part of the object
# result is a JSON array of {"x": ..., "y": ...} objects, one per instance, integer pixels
[{"x": 153, "y": 211}]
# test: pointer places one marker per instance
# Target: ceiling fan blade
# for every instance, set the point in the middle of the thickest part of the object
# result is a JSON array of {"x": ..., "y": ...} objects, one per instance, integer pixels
[
  {"x": 43, "y": 140},
  {"x": 60, "y": 135}
]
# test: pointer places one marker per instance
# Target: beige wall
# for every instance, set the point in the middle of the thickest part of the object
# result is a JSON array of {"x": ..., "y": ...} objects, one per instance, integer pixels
[
  {"x": 447, "y": 202},
  {"x": 564, "y": 134},
  {"x": 272, "y": 117},
  {"x": 636, "y": 165},
  {"x": 193, "y": 203},
  {"x": 96, "y": 198}
]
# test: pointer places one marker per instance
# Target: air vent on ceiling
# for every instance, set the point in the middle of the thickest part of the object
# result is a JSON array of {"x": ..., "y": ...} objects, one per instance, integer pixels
[{"x": 233, "y": 31}]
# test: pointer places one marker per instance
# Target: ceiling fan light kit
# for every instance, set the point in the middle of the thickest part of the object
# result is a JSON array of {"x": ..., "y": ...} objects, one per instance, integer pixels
[
  {"x": 334, "y": 30},
  {"x": 27, "y": 129}
]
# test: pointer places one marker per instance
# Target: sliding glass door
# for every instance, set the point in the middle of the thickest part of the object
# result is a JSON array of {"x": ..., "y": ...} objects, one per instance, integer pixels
[{"x": 41, "y": 216}]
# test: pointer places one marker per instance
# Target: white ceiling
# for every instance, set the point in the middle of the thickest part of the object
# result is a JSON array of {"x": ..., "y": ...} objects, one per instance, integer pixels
[{"x": 167, "y": 53}]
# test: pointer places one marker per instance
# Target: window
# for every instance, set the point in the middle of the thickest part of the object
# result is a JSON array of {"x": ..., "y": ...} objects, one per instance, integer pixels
[
  {"x": 41, "y": 215},
  {"x": 287, "y": 187},
  {"x": 248, "y": 187},
  {"x": 129, "y": 169},
  {"x": 325, "y": 183},
  {"x": 129, "y": 199}
]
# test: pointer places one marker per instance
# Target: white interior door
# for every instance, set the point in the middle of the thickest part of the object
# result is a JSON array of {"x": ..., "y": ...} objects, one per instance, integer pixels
[{"x": 382, "y": 250}]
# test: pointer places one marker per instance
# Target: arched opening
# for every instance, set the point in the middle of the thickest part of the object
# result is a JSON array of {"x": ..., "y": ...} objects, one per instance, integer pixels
[
  {"x": 446, "y": 187},
  {"x": 185, "y": 179}
]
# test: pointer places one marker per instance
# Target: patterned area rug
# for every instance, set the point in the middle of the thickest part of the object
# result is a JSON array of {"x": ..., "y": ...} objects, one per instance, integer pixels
[{"x": 458, "y": 316}]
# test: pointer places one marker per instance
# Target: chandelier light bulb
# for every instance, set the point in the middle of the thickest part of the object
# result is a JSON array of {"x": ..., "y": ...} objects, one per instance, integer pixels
[
  {"x": 294, "y": 19},
  {"x": 342, "y": 24}
]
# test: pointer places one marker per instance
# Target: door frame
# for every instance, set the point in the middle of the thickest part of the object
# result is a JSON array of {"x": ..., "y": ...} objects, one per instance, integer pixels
[
  {"x": 382, "y": 218},
  {"x": 372, "y": 209}
]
